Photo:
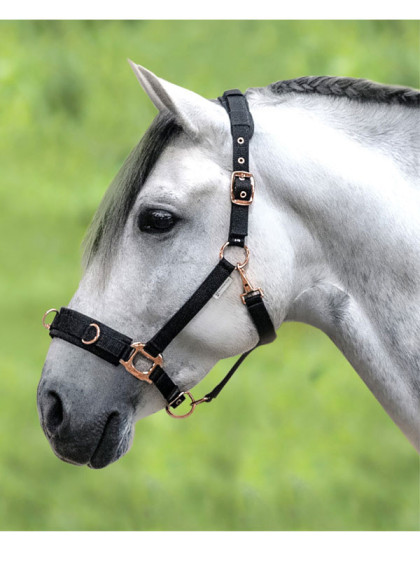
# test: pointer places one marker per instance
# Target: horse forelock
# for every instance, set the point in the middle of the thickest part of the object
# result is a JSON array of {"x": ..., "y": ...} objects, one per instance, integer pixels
[{"x": 111, "y": 216}]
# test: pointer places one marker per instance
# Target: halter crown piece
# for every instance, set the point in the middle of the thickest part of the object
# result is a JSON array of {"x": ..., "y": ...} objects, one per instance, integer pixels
[{"x": 117, "y": 348}]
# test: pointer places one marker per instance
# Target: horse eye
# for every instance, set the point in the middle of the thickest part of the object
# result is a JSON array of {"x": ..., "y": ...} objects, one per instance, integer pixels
[{"x": 156, "y": 221}]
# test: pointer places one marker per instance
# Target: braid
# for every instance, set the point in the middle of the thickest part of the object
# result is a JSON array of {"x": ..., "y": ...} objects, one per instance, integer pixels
[{"x": 351, "y": 88}]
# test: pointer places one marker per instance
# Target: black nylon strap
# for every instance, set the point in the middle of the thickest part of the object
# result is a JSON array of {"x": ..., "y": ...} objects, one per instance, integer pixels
[
  {"x": 167, "y": 387},
  {"x": 261, "y": 318},
  {"x": 266, "y": 333},
  {"x": 112, "y": 346},
  {"x": 158, "y": 343},
  {"x": 242, "y": 129},
  {"x": 215, "y": 392},
  {"x": 72, "y": 326}
]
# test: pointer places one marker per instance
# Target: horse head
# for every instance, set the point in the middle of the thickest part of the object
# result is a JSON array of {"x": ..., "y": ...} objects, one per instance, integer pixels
[{"x": 154, "y": 239}]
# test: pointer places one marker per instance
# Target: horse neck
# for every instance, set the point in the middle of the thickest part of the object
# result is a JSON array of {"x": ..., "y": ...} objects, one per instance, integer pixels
[{"x": 359, "y": 206}]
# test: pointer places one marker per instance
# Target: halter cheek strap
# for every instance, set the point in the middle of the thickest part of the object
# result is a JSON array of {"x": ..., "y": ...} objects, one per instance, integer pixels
[
  {"x": 116, "y": 348},
  {"x": 242, "y": 182}
]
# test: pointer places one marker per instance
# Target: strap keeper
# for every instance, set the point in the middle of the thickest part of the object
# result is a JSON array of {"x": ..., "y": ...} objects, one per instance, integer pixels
[
  {"x": 254, "y": 292},
  {"x": 176, "y": 402}
]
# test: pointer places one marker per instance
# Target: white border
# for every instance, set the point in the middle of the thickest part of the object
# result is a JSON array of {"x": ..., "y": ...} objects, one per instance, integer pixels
[
  {"x": 208, "y": 546},
  {"x": 210, "y": 9}
]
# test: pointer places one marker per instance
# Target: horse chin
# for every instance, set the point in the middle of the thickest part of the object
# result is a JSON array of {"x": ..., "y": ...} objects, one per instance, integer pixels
[
  {"x": 114, "y": 441},
  {"x": 112, "y": 445}
]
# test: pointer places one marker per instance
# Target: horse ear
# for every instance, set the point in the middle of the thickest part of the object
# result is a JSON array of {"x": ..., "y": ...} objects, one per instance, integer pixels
[{"x": 193, "y": 112}]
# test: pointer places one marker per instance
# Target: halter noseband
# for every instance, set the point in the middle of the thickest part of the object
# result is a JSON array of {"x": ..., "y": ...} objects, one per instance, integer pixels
[{"x": 116, "y": 348}]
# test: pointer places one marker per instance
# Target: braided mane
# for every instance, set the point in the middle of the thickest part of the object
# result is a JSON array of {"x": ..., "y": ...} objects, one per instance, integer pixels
[{"x": 351, "y": 88}]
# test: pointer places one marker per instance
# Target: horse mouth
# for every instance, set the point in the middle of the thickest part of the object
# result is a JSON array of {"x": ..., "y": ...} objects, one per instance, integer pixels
[
  {"x": 114, "y": 441},
  {"x": 112, "y": 444}
]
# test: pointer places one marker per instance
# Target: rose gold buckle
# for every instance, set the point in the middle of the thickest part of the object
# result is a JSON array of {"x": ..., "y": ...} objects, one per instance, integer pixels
[
  {"x": 140, "y": 374},
  {"x": 242, "y": 175}
]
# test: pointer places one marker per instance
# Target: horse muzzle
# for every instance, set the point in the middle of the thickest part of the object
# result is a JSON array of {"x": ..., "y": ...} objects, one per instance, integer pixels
[
  {"x": 97, "y": 443},
  {"x": 86, "y": 424}
]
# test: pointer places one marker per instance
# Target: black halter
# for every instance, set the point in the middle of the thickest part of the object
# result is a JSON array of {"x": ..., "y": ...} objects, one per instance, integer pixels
[{"x": 116, "y": 348}]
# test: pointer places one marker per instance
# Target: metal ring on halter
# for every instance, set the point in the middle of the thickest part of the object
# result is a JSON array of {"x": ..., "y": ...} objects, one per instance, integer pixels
[
  {"x": 48, "y": 325},
  {"x": 98, "y": 332},
  {"x": 238, "y": 265},
  {"x": 193, "y": 405}
]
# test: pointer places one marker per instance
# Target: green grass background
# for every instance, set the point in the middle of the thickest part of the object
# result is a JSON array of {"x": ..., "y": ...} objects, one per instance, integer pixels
[{"x": 296, "y": 441}]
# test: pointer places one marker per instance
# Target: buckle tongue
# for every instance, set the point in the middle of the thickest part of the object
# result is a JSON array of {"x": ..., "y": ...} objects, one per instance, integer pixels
[{"x": 141, "y": 374}]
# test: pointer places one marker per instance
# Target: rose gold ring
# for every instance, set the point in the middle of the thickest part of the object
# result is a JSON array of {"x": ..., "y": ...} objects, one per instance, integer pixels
[
  {"x": 193, "y": 405},
  {"x": 98, "y": 332},
  {"x": 48, "y": 325},
  {"x": 238, "y": 265}
]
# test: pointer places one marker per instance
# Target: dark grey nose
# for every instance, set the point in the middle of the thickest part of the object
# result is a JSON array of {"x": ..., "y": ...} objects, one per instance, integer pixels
[
  {"x": 52, "y": 413},
  {"x": 86, "y": 406},
  {"x": 82, "y": 434}
]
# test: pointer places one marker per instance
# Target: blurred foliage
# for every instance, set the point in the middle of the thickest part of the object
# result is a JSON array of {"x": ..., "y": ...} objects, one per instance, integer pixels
[{"x": 297, "y": 442}]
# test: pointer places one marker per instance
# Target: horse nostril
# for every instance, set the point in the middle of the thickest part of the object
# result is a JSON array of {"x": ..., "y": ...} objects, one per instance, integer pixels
[{"x": 53, "y": 416}]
